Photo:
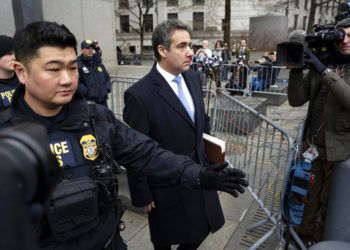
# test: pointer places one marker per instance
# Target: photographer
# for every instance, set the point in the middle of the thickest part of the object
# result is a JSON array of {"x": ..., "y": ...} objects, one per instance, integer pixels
[
  {"x": 267, "y": 74},
  {"x": 94, "y": 80},
  {"x": 327, "y": 88},
  {"x": 89, "y": 143}
]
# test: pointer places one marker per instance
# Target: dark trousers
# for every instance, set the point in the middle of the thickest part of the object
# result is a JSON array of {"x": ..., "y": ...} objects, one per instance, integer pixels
[
  {"x": 116, "y": 243},
  {"x": 192, "y": 246},
  {"x": 315, "y": 211}
]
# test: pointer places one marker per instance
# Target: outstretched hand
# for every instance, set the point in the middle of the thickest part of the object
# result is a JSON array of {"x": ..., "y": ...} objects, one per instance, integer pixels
[
  {"x": 311, "y": 60},
  {"x": 222, "y": 178}
]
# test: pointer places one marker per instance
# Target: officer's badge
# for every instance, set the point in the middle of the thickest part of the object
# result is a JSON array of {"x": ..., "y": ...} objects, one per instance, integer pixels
[
  {"x": 88, "y": 142},
  {"x": 99, "y": 69}
]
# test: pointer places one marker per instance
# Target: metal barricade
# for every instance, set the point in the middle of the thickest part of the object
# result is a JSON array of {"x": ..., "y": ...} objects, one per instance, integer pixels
[
  {"x": 268, "y": 80},
  {"x": 116, "y": 97},
  {"x": 261, "y": 148},
  {"x": 244, "y": 79}
]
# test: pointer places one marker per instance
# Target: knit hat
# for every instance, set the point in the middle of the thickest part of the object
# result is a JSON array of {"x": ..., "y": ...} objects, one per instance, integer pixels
[{"x": 6, "y": 45}]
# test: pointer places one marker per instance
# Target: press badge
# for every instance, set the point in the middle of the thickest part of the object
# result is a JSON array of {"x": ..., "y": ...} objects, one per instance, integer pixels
[{"x": 311, "y": 153}]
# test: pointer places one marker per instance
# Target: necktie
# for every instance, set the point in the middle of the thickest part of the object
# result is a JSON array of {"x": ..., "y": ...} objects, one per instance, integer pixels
[
  {"x": 182, "y": 97},
  {"x": 242, "y": 50}
]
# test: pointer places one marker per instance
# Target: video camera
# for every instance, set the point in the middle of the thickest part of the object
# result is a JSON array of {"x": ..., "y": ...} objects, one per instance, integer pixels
[
  {"x": 24, "y": 150},
  {"x": 28, "y": 174},
  {"x": 321, "y": 42}
]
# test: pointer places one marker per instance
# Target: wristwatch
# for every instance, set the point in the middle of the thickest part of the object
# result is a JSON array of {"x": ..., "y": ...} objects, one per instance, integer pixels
[{"x": 326, "y": 71}]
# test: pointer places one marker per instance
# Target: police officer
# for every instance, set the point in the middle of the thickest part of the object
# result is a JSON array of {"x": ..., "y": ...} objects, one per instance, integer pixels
[
  {"x": 94, "y": 80},
  {"x": 88, "y": 141},
  {"x": 8, "y": 79}
]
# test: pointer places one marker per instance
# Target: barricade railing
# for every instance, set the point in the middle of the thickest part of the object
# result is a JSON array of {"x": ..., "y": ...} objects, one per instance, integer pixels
[
  {"x": 258, "y": 146},
  {"x": 116, "y": 97},
  {"x": 244, "y": 79}
]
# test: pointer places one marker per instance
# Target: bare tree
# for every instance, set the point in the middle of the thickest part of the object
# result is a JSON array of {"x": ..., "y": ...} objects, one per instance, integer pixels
[
  {"x": 323, "y": 5},
  {"x": 227, "y": 23},
  {"x": 139, "y": 9}
]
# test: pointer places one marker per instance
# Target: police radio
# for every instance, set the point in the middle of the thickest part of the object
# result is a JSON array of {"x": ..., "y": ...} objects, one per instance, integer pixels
[{"x": 106, "y": 168}]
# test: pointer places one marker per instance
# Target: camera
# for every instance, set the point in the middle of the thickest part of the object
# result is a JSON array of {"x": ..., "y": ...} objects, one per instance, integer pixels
[
  {"x": 240, "y": 59},
  {"x": 28, "y": 174},
  {"x": 24, "y": 150},
  {"x": 321, "y": 42}
]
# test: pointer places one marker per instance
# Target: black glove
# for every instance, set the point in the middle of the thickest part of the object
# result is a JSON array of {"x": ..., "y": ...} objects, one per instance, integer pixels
[
  {"x": 311, "y": 60},
  {"x": 219, "y": 177}
]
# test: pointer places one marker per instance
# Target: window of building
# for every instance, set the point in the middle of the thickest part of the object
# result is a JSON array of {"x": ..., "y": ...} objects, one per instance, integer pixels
[
  {"x": 198, "y": 2},
  {"x": 320, "y": 8},
  {"x": 306, "y": 4},
  {"x": 172, "y": 2},
  {"x": 148, "y": 20},
  {"x": 295, "y": 21},
  {"x": 123, "y": 4},
  {"x": 304, "y": 22},
  {"x": 327, "y": 8},
  {"x": 147, "y": 3},
  {"x": 124, "y": 23},
  {"x": 297, "y": 4},
  {"x": 319, "y": 21},
  {"x": 333, "y": 8},
  {"x": 198, "y": 21},
  {"x": 172, "y": 16}
]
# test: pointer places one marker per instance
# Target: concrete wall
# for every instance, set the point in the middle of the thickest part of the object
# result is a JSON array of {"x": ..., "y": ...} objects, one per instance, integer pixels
[
  {"x": 7, "y": 22},
  {"x": 265, "y": 32},
  {"x": 92, "y": 19}
]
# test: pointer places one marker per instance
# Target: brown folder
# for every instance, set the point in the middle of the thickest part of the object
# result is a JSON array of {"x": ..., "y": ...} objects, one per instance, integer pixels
[{"x": 214, "y": 149}]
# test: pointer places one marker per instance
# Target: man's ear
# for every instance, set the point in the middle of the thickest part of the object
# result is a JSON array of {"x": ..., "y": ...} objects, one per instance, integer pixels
[
  {"x": 162, "y": 51},
  {"x": 21, "y": 72}
]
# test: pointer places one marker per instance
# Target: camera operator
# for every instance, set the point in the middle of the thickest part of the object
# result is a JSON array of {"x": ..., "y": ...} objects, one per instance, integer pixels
[
  {"x": 327, "y": 126},
  {"x": 88, "y": 141},
  {"x": 94, "y": 80}
]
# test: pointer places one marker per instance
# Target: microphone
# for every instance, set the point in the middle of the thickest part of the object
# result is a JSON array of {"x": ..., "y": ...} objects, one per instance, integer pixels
[{"x": 297, "y": 36}]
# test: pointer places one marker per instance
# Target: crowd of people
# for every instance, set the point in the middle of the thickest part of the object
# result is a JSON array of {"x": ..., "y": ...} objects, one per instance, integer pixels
[
  {"x": 43, "y": 80},
  {"x": 234, "y": 66}
]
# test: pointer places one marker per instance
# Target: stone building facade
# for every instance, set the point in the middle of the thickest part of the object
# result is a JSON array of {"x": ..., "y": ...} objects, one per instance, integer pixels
[{"x": 205, "y": 17}]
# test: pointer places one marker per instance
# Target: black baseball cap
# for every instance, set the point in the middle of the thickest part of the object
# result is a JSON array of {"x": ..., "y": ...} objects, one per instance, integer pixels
[
  {"x": 6, "y": 45},
  {"x": 87, "y": 44}
]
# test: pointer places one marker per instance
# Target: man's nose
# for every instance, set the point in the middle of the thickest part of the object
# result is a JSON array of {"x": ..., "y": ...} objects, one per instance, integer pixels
[{"x": 66, "y": 77}]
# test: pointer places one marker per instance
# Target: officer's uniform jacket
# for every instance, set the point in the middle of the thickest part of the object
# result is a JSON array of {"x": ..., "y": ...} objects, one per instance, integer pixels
[
  {"x": 71, "y": 139},
  {"x": 94, "y": 80},
  {"x": 7, "y": 89},
  {"x": 337, "y": 110}
]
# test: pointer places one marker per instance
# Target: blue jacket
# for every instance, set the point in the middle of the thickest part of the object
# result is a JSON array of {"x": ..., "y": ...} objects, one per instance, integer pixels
[{"x": 94, "y": 80}]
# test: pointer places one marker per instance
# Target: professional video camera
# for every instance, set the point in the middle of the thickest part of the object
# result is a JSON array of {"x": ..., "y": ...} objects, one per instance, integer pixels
[
  {"x": 321, "y": 42},
  {"x": 28, "y": 172}
]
